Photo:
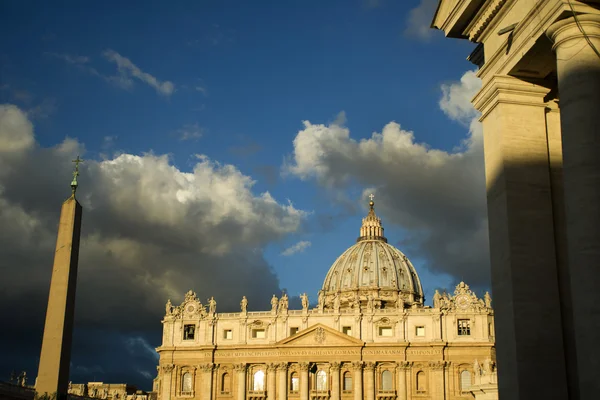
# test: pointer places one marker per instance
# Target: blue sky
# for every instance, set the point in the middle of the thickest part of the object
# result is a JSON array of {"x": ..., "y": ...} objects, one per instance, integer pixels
[{"x": 233, "y": 81}]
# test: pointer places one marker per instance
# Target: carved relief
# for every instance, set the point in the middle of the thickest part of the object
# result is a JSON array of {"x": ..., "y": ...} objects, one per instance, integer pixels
[
  {"x": 303, "y": 366},
  {"x": 239, "y": 367},
  {"x": 320, "y": 335},
  {"x": 167, "y": 368},
  {"x": 357, "y": 365}
]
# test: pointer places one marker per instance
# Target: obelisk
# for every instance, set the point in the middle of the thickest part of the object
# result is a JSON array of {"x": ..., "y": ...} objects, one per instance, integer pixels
[{"x": 55, "y": 357}]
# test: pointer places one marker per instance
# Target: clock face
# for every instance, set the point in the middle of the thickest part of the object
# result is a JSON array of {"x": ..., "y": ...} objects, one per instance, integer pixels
[
  {"x": 462, "y": 301},
  {"x": 191, "y": 308}
]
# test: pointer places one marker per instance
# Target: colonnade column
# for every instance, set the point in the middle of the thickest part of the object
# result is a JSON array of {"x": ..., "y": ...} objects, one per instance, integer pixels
[
  {"x": 521, "y": 218},
  {"x": 335, "y": 380},
  {"x": 282, "y": 384},
  {"x": 369, "y": 380},
  {"x": 357, "y": 366},
  {"x": 240, "y": 370},
  {"x": 304, "y": 380},
  {"x": 271, "y": 381},
  {"x": 578, "y": 69},
  {"x": 401, "y": 371},
  {"x": 167, "y": 381}
]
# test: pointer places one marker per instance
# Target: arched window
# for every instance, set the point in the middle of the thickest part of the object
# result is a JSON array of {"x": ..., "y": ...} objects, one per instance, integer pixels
[
  {"x": 465, "y": 381},
  {"x": 347, "y": 381},
  {"x": 294, "y": 382},
  {"x": 321, "y": 380},
  {"x": 186, "y": 382},
  {"x": 258, "y": 382},
  {"x": 421, "y": 382},
  {"x": 225, "y": 383},
  {"x": 386, "y": 380}
]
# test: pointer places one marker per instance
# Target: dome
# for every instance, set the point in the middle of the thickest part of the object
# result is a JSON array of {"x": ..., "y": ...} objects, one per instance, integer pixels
[{"x": 372, "y": 272}]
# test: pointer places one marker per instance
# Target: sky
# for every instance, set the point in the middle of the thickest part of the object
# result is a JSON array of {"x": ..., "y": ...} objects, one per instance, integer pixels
[{"x": 229, "y": 148}]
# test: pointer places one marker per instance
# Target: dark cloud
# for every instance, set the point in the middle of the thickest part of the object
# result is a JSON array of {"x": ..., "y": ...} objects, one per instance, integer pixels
[
  {"x": 150, "y": 232},
  {"x": 436, "y": 196}
]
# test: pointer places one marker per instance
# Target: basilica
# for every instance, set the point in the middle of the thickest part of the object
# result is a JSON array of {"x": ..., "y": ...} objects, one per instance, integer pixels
[{"x": 370, "y": 336}]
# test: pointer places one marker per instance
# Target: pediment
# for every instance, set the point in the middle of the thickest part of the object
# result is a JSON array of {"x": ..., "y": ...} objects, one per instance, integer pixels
[{"x": 319, "y": 335}]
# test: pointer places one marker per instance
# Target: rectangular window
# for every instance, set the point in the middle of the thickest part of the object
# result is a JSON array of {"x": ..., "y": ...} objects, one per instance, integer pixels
[
  {"x": 258, "y": 333},
  {"x": 386, "y": 331},
  {"x": 188, "y": 332},
  {"x": 347, "y": 330},
  {"x": 464, "y": 327},
  {"x": 293, "y": 331},
  {"x": 420, "y": 331},
  {"x": 228, "y": 334}
]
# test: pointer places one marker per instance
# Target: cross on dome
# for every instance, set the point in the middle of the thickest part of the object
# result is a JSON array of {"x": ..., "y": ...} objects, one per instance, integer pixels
[{"x": 371, "y": 196}]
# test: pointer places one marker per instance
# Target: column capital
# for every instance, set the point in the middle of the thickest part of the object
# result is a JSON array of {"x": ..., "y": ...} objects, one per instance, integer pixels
[
  {"x": 369, "y": 366},
  {"x": 335, "y": 366},
  {"x": 283, "y": 366},
  {"x": 271, "y": 367},
  {"x": 506, "y": 89},
  {"x": 303, "y": 366},
  {"x": 206, "y": 367},
  {"x": 239, "y": 367},
  {"x": 567, "y": 29},
  {"x": 404, "y": 365},
  {"x": 437, "y": 365},
  {"x": 357, "y": 365},
  {"x": 168, "y": 368}
]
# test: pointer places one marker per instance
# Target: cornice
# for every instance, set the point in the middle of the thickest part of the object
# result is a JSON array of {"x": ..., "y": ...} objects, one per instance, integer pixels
[
  {"x": 483, "y": 19},
  {"x": 506, "y": 89}
]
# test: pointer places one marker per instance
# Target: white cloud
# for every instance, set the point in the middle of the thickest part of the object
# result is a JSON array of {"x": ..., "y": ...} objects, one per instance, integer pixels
[
  {"x": 128, "y": 70},
  {"x": 456, "y": 98},
  {"x": 296, "y": 248},
  {"x": 418, "y": 23},
  {"x": 437, "y": 196}
]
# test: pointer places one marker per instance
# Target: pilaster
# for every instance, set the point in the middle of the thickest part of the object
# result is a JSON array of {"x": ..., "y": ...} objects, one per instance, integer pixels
[
  {"x": 282, "y": 381},
  {"x": 304, "y": 380},
  {"x": 402, "y": 371},
  {"x": 240, "y": 370},
  {"x": 335, "y": 380},
  {"x": 271, "y": 381},
  {"x": 369, "y": 371},
  {"x": 357, "y": 366}
]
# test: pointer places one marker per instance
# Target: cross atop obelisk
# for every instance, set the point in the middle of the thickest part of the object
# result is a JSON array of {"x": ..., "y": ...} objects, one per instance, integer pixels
[{"x": 53, "y": 372}]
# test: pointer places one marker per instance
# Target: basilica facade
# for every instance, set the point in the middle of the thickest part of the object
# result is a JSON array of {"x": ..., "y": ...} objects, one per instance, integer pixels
[{"x": 370, "y": 336}]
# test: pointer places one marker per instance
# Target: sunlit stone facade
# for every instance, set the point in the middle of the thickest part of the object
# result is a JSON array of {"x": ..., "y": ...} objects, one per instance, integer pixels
[{"x": 369, "y": 337}]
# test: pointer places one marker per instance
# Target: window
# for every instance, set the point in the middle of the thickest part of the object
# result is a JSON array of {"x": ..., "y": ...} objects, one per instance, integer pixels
[
  {"x": 186, "y": 383},
  {"x": 225, "y": 383},
  {"x": 228, "y": 334},
  {"x": 421, "y": 382},
  {"x": 465, "y": 381},
  {"x": 386, "y": 331},
  {"x": 321, "y": 380},
  {"x": 420, "y": 331},
  {"x": 258, "y": 381},
  {"x": 347, "y": 382},
  {"x": 293, "y": 331},
  {"x": 294, "y": 382},
  {"x": 188, "y": 332},
  {"x": 347, "y": 330},
  {"x": 464, "y": 327},
  {"x": 258, "y": 333},
  {"x": 386, "y": 381}
]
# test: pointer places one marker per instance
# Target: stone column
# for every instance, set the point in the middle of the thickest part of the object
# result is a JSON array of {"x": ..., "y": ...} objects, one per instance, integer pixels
[
  {"x": 282, "y": 385},
  {"x": 578, "y": 68},
  {"x": 304, "y": 380},
  {"x": 167, "y": 381},
  {"x": 357, "y": 366},
  {"x": 271, "y": 381},
  {"x": 370, "y": 380},
  {"x": 401, "y": 372},
  {"x": 437, "y": 384},
  {"x": 522, "y": 242},
  {"x": 240, "y": 370},
  {"x": 335, "y": 380},
  {"x": 207, "y": 375}
]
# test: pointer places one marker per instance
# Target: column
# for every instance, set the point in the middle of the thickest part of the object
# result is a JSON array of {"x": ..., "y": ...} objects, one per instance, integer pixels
[
  {"x": 357, "y": 380},
  {"x": 335, "y": 380},
  {"x": 370, "y": 380},
  {"x": 578, "y": 69},
  {"x": 282, "y": 384},
  {"x": 436, "y": 369},
  {"x": 271, "y": 381},
  {"x": 401, "y": 371},
  {"x": 521, "y": 218},
  {"x": 304, "y": 380},
  {"x": 207, "y": 375},
  {"x": 167, "y": 381},
  {"x": 240, "y": 370}
]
